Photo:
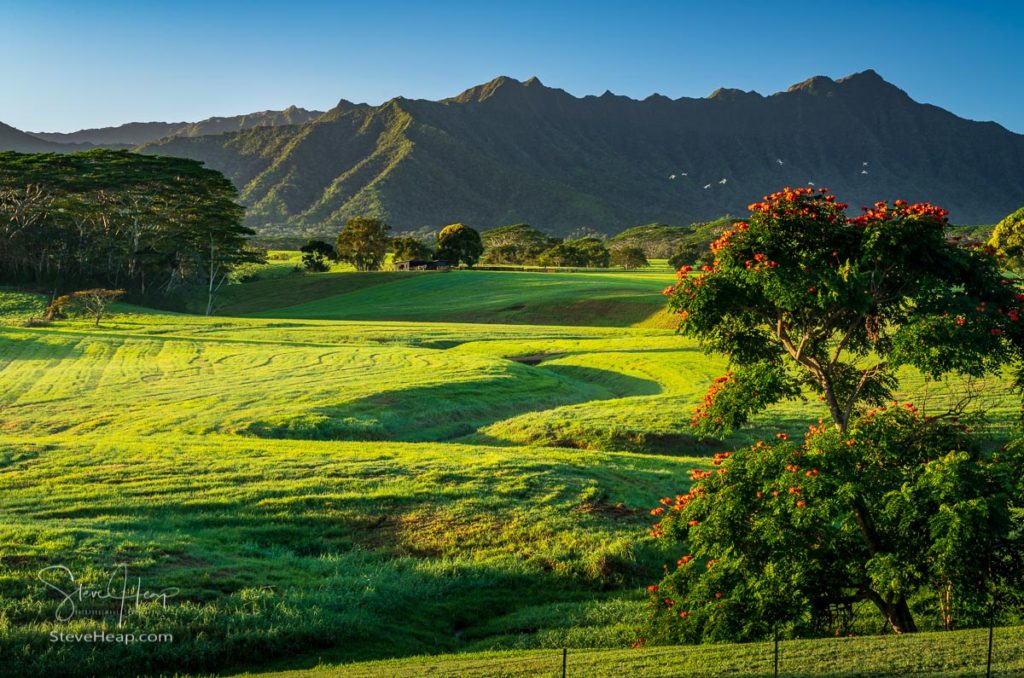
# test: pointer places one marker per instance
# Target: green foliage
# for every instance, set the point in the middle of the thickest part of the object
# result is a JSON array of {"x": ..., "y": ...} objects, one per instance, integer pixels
[
  {"x": 1008, "y": 239},
  {"x": 657, "y": 241},
  {"x": 317, "y": 256},
  {"x": 837, "y": 306},
  {"x": 407, "y": 247},
  {"x": 901, "y": 508},
  {"x": 883, "y": 506},
  {"x": 629, "y": 257},
  {"x": 583, "y": 253},
  {"x": 152, "y": 225},
  {"x": 363, "y": 242},
  {"x": 517, "y": 244},
  {"x": 458, "y": 243},
  {"x": 93, "y": 302}
]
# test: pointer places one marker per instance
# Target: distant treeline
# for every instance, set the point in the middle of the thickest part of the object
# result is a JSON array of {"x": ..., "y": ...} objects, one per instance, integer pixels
[
  {"x": 153, "y": 226},
  {"x": 521, "y": 244}
]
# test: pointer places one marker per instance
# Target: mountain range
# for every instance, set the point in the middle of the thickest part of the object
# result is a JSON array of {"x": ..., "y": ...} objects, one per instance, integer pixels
[{"x": 510, "y": 151}]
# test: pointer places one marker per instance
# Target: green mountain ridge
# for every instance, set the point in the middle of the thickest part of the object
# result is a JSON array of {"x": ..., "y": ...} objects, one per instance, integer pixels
[
  {"x": 510, "y": 151},
  {"x": 520, "y": 152},
  {"x": 136, "y": 133}
]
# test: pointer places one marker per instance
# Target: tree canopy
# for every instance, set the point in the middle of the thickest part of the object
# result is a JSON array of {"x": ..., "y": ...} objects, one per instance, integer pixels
[
  {"x": 146, "y": 224},
  {"x": 629, "y": 257},
  {"x": 1008, "y": 239},
  {"x": 516, "y": 244},
  {"x": 317, "y": 255},
  {"x": 407, "y": 247},
  {"x": 363, "y": 242},
  {"x": 582, "y": 253},
  {"x": 458, "y": 243},
  {"x": 800, "y": 296},
  {"x": 881, "y": 502}
]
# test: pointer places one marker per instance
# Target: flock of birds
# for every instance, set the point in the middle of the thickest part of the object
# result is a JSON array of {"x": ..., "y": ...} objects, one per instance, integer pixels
[{"x": 723, "y": 180}]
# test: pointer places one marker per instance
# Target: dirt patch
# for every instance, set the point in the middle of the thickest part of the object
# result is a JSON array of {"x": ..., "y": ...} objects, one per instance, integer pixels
[{"x": 604, "y": 507}]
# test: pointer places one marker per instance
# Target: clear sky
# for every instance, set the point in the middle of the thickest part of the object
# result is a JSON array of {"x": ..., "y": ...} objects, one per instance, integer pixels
[{"x": 75, "y": 64}]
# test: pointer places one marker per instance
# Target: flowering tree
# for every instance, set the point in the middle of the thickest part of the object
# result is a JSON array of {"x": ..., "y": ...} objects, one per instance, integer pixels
[
  {"x": 800, "y": 296},
  {"x": 879, "y": 504}
]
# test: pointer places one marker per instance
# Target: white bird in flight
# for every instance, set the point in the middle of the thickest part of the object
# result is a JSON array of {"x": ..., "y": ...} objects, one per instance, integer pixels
[
  {"x": 671, "y": 176},
  {"x": 863, "y": 171},
  {"x": 779, "y": 160},
  {"x": 707, "y": 186},
  {"x": 683, "y": 174},
  {"x": 810, "y": 183},
  {"x": 723, "y": 181},
  {"x": 864, "y": 164}
]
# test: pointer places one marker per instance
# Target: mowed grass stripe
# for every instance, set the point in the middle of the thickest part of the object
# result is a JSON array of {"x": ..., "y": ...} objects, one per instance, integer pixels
[{"x": 608, "y": 298}]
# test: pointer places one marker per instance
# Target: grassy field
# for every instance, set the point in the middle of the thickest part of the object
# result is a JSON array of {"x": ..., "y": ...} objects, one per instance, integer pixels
[
  {"x": 343, "y": 480},
  {"x": 610, "y": 298},
  {"x": 957, "y": 653}
]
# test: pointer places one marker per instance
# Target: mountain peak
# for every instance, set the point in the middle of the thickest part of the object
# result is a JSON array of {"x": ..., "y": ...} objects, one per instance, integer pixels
[
  {"x": 819, "y": 84},
  {"x": 867, "y": 75},
  {"x": 733, "y": 94},
  {"x": 486, "y": 90},
  {"x": 502, "y": 86},
  {"x": 867, "y": 82}
]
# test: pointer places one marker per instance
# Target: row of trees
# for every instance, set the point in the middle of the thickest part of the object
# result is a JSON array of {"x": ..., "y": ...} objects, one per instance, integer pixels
[
  {"x": 364, "y": 242},
  {"x": 147, "y": 225},
  {"x": 890, "y": 503},
  {"x": 522, "y": 244}
]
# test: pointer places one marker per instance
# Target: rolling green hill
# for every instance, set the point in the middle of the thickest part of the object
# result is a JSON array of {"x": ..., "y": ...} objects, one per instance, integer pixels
[
  {"x": 599, "y": 298},
  {"x": 323, "y": 489},
  {"x": 510, "y": 151}
]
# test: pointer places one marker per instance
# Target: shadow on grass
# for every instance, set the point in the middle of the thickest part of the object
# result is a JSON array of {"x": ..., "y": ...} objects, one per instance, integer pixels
[{"x": 444, "y": 412}]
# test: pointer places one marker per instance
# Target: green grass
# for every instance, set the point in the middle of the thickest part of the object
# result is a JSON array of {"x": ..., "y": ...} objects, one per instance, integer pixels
[
  {"x": 607, "y": 298},
  {"x": 16, "y": 307},
  {"x": 957, "y": 653},
  {"x": 320, "y": 488}
]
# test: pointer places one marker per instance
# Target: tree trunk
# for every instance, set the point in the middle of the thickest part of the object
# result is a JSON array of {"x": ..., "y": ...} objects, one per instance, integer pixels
[{"x": 896, "y": 613}]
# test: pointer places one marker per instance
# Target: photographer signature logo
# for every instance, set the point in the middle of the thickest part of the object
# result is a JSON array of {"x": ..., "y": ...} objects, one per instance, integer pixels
[{"x": 121, "y": 595}]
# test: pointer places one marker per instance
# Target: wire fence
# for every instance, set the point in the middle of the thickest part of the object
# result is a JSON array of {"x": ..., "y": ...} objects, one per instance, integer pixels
[{"x": 994, "y": 651}]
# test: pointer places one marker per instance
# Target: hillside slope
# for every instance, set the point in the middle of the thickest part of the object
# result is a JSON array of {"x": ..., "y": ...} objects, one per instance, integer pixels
[
  {"x": 136, "y": 133},
  {"x": 513, "y": 151}
]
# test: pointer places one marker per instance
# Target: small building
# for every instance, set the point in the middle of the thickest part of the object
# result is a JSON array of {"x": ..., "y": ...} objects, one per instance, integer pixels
[{"x": 421, "y": 265}]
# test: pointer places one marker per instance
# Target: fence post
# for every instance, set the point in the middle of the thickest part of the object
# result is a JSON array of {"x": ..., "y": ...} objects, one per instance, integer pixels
[
  {"x": 776, "y": 652},
  {"x": 991, "y": 630},
  {"x": 565, "y": 657}
]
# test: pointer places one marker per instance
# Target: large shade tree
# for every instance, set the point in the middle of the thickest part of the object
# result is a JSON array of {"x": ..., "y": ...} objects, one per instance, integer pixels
[
  {"x": 363, "y": 242},
  {"x": 458, "y": 243},
  {"x": 148, "y": 224},
  {"x": 882, "y": 504}
]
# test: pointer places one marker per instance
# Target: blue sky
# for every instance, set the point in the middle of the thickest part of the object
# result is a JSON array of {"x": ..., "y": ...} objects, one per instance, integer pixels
[{"x": 70, "y": 65}]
